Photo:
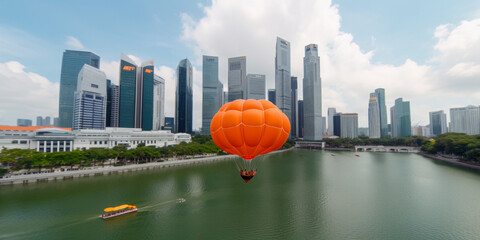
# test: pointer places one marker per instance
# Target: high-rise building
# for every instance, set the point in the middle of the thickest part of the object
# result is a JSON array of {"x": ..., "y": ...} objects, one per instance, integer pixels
[
  {"x": 349, "y": 125},
  {"x": 55, "y": 122},
  {"x": 128, "y": 90},
  {"x": 401, "y": 122},
  {"x": 374, "y": 126},
  {"x": 24, "y": 122},
  {"x": 47, "y": 121},
  {"x": 283, "y": 85},
  {"x": 438, "y": 123},
  {"x": 271, "y": 95},
  {"x": 169, "y": 124},
  {"x": 225, "y": 97},
  {"x": 255, "y": 86},
  {"x": 300, "y": 119},
  {"x": 380, "y": 95},
  {"x": 465, "y": 120},
  {"x": 184, "y": 98},
  {"x": 331, "y": 113},
  {"x": 72, "y": 62},
  {"x": 40, "y": 121},
  {"x": 158, "y": 102},
  {"x": 294, "y": 97},
  {"x": 144, "y": 101},
  {"x": 237, "y": 78},
  {"x": 336, "y": 124},
  {"x": 211, "y": 89},
  {"x": 312, "y": 94},
  {"x": 90, "y": 99},
  {"x": 113, "y": 102},
  {"x": 363, "y": 132}
]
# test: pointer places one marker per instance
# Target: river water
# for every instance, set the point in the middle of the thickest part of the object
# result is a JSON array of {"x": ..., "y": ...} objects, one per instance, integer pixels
[{"x": 298, "y": 194}]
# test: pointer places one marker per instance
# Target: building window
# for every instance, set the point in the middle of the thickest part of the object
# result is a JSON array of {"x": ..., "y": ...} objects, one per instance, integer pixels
[
  {"x": 23, "y": 142},
  {"x": 94, "y": 85},
  {"x": 14, "y": 141}
]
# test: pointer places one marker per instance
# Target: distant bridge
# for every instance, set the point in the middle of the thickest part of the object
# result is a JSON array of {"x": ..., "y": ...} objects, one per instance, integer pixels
[
  {"x": 381, "y": 148},
  {"x": 310, "y": 144}
]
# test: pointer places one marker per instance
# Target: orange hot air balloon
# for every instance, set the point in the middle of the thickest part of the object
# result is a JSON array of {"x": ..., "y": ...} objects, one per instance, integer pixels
[{"x": 249, "y": 128}]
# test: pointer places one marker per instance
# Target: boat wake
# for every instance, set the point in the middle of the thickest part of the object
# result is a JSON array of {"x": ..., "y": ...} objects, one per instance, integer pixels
[{"x": 161, "y": 204}]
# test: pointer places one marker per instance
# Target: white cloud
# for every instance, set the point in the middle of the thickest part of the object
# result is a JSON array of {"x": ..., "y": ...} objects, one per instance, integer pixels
[
  {"x": 234, "y": 28},
  {"x": 25, "y": 94},
  {"x": 74, "y": 43}
]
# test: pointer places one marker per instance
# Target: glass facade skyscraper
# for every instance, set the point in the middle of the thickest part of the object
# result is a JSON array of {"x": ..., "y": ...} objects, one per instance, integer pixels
[
  {"x": 90, "y": 99},
  {"x": 128, "y": 90},
  {"x": 212, "y": 92},
  {"x": 237, "y": 78},
  {"x": 255, "y": 86},
  {"x": 401, "y": 121},
  {"x": 294, "y": 97},
  {"x": 374, "y": 116},
  {"x": 113, "y": 102},
  {"x": 184, "y": 98},
  {"x": 312, "y": 94},
  {"x": 438, "y": 123},
  {"x": 300, "y": 119},
  {"x": 283, "y": 85},
  {"x": 144, "y": 111},
  {"x": 465, "y": 120},
  {"x": 271, "y": 96},
  {"x": 380, "y": 95},
  {"x": 158, "y": 102},
  {"x": 331, "y": 112},
  {"x": 72, "y": 62}
]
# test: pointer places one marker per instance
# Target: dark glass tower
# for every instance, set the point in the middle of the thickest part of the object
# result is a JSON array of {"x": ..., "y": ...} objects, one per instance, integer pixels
[
  {"x": 128, "y": 85},
  {"x": 380, "y": 92},
  {"x": 146, "y": 105},
  {"x": 300, "y": 118},
  {"x": 72, "y": 62},
  {"x": 293, "y": 119},
  {"x": 271, "y": 95},
  {"x": 184, "y": 98}
]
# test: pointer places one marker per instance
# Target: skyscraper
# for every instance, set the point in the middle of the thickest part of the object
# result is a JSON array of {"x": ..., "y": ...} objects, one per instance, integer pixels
[
  {"x": 169, "y": 124},
  {"x": 349, "y": 125},
  {"x": 113, "y": 102},
  {"x": 144, "y": 101},
  {"x": 294, "y": 97},
  {"x": 312, "y": 94},
  {"x": 300, "y": 119},
  {"x": 90, "y": 99},
  {"x": 374, "y": 116},
  {"x": 46, "y": 122},
  {"x": 158, "y": 102},
  {"x": 271, "y": 95},
  {"x": 237, "y": 78},
  {"x": 465, "y": 120},
  {"x": 380, "y": 95},
  {"x": 331, "y": 113},
  {"x": 283, "y": 85},
  {"x": 24, "y": 122},
  {"x": 72, "y": 62},
  {"x": 401, "y": 122},
  {"x": 438, "y": 123},
  {"x": 211, "y": 89},
  {"x": 255, "y": 86},
  {"x": 128, "y": 90},
  {"x": 40, "y": 121},
  {"x": 184, "y": 98}
]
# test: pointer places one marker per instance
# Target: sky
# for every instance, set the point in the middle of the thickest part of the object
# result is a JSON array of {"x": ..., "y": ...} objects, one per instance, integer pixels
[{"x": 426, "y": 52}]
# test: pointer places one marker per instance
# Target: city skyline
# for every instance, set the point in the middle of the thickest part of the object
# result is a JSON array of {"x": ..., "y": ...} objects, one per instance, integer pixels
[{"x": 439, "y": 58}]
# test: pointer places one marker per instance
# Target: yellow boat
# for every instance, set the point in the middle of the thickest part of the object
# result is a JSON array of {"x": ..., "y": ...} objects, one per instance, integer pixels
[{"x": 118, "y": 210}]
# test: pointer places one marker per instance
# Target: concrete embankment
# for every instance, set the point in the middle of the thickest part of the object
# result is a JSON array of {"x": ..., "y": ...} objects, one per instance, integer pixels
[
  {"x": 64, "y": 175},
  {"x": 450, "y": 160}
]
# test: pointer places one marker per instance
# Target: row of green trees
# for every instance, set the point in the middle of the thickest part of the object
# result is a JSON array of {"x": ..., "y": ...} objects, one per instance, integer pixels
[
  {"x": 350, "y": 143},
  {"x": 459, "y": 144}
]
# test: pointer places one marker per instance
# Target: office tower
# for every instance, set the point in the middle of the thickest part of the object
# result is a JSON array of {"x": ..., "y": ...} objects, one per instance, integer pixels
[
  {"x": 283, "y": 85},
  {"x": 158, "y": 102},
  {"x": 24, "y": 122},
  {"x": 184, "y": 98},
  {"x": 465, "y": 120},
  {"x": 72, "y": 62},
  {"x": 312, "y": 94},
  {"x": 374, "y": 120},
  {"x": 401, "y": 122},
  {"x": 331, "y": 113},
  {"x": 438, "y": 123},
  {"x": 363, "y": 132},
  {"x": 255, "y": 86},
  {"x": 113, "y": 101},
  {"x": 237, "y": 78},
  {"x": 128, "y": 86},
  {"x": 40, "y": 121},
  {"x": 336, "y": 124},
  {"x": 300, "y": 119},
  {"x": 169, "y": 124},
  {"x": 324, "y": 125},
  {"x": 293, "y": 107},
  {"x": 144, "y": 97},
  {"x": 55, "y": 122},
  {"x": 211, "y": 87},
  {"x": 380, "y": 95},
  {"x": 225, "y": 97},
  {"x": 47, "y": 121},
  {"x": 271, "y": 95},
  {"x": 349, "y": 125},
  {"x": 109, "y": 104},
  {"x": 90, "y": 99}
]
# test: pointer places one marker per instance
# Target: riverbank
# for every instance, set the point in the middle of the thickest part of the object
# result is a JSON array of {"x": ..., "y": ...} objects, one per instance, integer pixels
[
  {"x": 110, "y": 170},
  {"x": 452, "y": 161}
]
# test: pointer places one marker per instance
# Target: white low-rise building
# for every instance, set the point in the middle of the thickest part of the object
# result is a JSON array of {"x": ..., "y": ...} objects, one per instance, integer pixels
[{"x": 60, "y": 140}]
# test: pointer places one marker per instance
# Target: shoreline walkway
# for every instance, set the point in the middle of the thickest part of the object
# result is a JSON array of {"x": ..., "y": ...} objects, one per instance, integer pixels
[{"x": 54, "y": 176}]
